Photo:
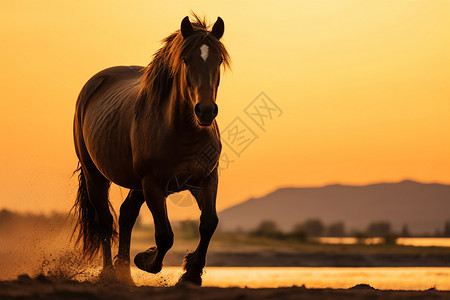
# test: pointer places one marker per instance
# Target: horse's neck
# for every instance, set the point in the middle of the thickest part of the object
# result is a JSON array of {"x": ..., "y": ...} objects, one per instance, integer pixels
[{"x": 177, "y": 111}]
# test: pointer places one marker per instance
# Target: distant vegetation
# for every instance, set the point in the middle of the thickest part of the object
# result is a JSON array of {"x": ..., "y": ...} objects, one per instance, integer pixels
[{"x": 315, "y": 228}]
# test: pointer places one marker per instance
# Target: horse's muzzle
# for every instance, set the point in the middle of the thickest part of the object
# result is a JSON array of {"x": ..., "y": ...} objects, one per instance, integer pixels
[{"x": 205, "y": 113}]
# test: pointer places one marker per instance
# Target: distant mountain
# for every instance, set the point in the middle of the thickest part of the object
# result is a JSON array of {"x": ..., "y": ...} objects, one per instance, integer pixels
[{"x": 423, "y": 207}]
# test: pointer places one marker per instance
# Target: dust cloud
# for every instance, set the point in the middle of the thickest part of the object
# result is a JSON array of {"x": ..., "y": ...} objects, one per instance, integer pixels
[{"x": 39, "y": 244}]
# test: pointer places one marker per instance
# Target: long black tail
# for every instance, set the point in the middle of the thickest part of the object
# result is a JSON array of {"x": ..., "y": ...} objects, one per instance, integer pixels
[{"x": 87, "y": 229}]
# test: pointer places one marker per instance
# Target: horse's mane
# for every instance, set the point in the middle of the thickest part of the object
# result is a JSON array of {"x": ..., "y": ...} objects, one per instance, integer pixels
[{"x": 157, "y": 78}]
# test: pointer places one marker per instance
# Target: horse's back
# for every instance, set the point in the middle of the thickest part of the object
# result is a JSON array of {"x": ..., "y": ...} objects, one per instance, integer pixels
[{"x": 103, "y": 120}]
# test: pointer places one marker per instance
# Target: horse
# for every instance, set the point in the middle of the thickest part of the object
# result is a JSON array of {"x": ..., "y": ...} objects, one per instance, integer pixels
[{"x": 141, "y": 128}]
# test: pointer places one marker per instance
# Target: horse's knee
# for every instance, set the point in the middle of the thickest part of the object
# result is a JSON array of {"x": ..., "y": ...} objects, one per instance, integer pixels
[
  {"x": 208, "y": 223},
  {"x": 164, "y": 241}
]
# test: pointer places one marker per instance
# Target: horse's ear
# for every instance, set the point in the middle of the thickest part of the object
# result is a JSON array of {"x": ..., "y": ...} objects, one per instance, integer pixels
[
  {"x": 186, "y": 27},
  {"x": 218, "y": 28}
]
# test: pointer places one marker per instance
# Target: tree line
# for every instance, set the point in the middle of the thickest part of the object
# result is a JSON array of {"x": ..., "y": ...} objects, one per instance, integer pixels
[{"x": 316, "y": 228}]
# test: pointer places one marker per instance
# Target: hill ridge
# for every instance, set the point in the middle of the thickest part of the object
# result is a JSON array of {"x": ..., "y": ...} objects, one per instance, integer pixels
[{"x": 424, "y": 207}]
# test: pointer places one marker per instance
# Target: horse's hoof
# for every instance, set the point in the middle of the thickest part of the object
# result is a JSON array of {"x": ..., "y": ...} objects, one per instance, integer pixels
[
  {"x": 146, "y": 261},
  {"x": 125, "y": 280},
  {"x": 187, "y": 278},
  {"x": 108, "y": 275},
  {"x": 123, "y": 274}
]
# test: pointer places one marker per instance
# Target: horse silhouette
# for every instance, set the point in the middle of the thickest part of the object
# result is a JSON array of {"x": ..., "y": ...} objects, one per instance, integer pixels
[{"x": 141, "y": 127}]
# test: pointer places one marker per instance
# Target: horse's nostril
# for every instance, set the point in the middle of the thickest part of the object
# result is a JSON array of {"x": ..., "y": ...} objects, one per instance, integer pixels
[
  {"x": 206, "y": 113},
  {"x": 197, "y": 110}
]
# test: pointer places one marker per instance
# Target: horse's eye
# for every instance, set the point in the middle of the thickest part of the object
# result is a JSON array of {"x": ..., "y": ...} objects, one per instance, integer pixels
[{"x": 185, "y": 61}]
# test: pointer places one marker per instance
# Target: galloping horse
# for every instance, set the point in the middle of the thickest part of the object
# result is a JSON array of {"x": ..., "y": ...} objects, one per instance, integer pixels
[{"x": 140, "y": 128}]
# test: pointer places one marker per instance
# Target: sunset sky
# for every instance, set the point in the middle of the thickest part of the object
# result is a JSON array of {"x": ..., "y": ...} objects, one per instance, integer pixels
[{"x": 363, "y": 86}]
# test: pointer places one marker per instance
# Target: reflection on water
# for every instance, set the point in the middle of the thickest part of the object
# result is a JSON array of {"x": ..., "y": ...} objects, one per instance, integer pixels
[
  {"x": 419, "y": 242},
  {"x": 347, "y": 240},
  {"x": 380, "y": 278},
  {"x": 424, "y": 242}
]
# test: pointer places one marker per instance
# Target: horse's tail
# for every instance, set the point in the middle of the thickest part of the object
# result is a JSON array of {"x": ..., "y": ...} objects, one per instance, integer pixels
[{"x": 86, "y": 228}]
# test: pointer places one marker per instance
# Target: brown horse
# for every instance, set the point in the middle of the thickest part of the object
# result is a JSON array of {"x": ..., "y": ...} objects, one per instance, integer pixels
[{"x": 142, "y": 130}]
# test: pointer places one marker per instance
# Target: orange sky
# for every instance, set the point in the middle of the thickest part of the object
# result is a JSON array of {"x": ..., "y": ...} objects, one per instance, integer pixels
[{"x": 364, "y": 87}]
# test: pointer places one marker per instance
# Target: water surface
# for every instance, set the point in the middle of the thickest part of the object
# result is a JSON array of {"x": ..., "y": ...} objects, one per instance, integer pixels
[{"x": 412, "y": 241}]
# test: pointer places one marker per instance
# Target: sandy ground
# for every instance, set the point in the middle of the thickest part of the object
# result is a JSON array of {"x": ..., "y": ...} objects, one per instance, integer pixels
[{"x": 42, "y": 288}]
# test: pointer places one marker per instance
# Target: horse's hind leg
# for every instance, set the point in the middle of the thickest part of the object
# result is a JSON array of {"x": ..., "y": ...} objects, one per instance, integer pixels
[
  {"x": 152, "y": 259},
  {"x": 195, "y": 262},
  {"x": 129, "y": 212},
  {"x": 98, "y": 187}
]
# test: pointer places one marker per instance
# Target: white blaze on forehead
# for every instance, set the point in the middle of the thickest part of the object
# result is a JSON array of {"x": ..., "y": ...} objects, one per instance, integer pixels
[{"x": 204, "y": 52}]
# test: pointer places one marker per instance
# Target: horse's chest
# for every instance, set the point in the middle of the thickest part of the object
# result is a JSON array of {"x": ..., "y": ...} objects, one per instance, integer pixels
[
  {"x": 202, "y": 162},
  {"x": 194, "y": 167}
]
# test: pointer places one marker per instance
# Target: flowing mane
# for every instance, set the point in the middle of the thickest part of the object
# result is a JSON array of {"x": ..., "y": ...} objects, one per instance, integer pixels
[{"x": 157, "y": 78}]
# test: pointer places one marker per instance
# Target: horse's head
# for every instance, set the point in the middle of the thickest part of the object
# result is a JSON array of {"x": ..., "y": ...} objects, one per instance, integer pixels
[{"x": 200, "y": 70}]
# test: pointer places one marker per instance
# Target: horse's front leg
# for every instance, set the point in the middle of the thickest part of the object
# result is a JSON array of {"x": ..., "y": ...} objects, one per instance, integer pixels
[
  {"x": 152, "y": 259},
  {"x": 129, "y": 211},
  {"x": 195, "y": 262}
]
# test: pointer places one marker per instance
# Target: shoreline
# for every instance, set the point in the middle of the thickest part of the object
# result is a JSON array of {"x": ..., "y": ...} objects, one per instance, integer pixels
[{"x": 292, "y": 259}]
